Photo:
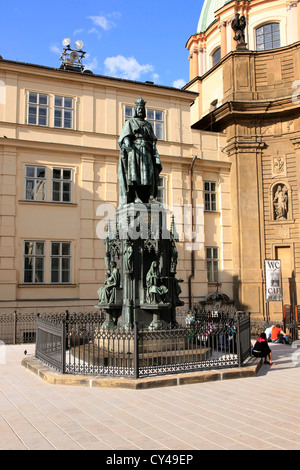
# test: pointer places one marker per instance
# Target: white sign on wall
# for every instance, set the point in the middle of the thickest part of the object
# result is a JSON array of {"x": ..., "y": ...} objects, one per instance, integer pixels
[{"x": 273, "y": 280}]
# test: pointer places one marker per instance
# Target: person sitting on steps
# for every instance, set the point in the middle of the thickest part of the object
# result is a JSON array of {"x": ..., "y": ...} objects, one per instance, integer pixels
[{"x": 261, "y": 349}]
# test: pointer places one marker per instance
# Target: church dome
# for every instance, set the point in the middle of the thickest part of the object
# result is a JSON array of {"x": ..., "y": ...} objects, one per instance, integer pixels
[{"x": 207, "y": 16}]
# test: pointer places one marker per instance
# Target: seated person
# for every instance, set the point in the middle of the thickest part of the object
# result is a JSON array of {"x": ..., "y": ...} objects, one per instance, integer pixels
[
  {"x": 268, "y": 332},
  {"x": 279, "y": 336},
  {"x": 261, "y": 349}
]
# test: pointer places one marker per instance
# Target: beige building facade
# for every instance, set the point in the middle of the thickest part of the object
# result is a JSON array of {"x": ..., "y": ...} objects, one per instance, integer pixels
[
  {"x": 229, "y": 143},
  {"x": 252, "y": 97},
  {"x": 58, "y": 170}
]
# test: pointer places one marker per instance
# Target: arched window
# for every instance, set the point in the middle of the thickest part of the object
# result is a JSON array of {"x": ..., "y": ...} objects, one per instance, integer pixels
[
  {"x": 216, "y": 56},
  {"x": 268, "y": 37}
]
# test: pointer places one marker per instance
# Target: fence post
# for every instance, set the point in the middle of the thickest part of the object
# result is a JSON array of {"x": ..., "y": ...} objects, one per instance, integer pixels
[
  {"x": 63, "y": 346},
  {"x": 37, "y": 333},
  {"x": 66, "y": 329},
  {"x": 135, "y": 351},
  {"x": 239, "y": 353},
  {"x": 15, "y": 328}
]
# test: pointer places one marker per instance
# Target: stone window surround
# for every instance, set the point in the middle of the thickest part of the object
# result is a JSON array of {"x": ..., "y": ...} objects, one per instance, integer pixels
[
  {"x": 50, "y": 109},
  {"x": 47, "y": 265}
]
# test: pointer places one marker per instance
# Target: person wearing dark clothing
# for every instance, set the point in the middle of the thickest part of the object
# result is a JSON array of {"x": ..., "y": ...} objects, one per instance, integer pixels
[{"x": 261, "y": 349}]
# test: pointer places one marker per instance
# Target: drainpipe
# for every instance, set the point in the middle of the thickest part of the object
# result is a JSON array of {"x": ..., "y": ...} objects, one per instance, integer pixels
[{"x": 192, "y": 226}]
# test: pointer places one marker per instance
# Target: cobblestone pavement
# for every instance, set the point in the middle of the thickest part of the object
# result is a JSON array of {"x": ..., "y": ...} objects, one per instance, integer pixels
[{"x": 255, "y": 413}]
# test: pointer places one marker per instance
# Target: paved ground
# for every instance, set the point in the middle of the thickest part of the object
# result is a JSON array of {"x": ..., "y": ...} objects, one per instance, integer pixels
[{"x": 254, "y": 413}]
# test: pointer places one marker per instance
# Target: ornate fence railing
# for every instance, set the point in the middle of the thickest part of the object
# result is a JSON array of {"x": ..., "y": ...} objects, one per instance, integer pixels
[{"x": 79, "y": 344}]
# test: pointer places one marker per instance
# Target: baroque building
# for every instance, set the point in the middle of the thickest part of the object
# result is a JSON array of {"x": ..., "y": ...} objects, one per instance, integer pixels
[
  {"x": 252, "y": 97},
  {"x": 59, "y": 156},
  {"x": 229, "y": 143}
]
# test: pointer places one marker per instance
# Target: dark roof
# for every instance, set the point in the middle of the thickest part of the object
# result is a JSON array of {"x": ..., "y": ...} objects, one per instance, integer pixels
[{"x": 88, "y": 73}]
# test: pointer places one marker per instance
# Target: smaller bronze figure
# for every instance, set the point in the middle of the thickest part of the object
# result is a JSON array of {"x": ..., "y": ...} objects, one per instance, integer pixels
[
  {"x": 128, "y": 258},
  {"x": 156, "y": 291},
  {"x": 238, "y": 25},
  {"x": 108, "y": 293}
]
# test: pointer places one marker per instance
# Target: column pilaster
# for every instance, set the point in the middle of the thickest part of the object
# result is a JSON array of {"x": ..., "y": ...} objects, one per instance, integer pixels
[{"x": 247, "y": 224}]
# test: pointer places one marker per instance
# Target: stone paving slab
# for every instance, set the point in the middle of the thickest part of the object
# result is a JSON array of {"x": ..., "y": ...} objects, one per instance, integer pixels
[{"x": 257, "y": 412}]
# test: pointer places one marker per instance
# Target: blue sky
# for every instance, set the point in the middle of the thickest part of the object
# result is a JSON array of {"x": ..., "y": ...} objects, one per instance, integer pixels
[{"x": 134, "y": 39}]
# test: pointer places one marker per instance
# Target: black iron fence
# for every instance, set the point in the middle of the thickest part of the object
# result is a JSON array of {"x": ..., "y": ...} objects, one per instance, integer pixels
[
  {"x": 19, "y": 328},
  {"x": 16, "y": 328},
  {"x": 79, "y": 344}
]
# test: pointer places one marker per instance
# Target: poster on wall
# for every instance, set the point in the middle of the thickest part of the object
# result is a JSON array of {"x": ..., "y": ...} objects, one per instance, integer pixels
[{"x": 273, "y": 280}]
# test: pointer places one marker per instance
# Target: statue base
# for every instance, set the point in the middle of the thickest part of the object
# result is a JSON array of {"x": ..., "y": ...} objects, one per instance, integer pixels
[
  {"x": 144, "y": 250},
  {"x": 242, "y": 47}
]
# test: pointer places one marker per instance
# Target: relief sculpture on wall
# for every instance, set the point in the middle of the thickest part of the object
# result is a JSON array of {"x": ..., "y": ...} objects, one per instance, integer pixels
[{"x": 279, "y": 166}]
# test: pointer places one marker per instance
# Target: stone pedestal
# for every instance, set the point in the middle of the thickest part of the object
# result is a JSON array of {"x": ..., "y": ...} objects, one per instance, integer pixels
[{"x": 144, "y": 250}]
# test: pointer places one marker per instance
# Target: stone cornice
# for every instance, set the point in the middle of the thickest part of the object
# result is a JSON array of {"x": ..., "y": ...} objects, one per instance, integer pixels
[
  {"x": 296, "y": 142},
  {"x": 242, "y": 146},
  {"x": 255, "y": 109}
]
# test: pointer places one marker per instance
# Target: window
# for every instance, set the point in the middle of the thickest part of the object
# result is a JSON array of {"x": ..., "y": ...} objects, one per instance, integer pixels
[
  {"x": 37, "y": 109},
  {"x": 210, "y": 196},
  {"x": 60, "y": 262},
  {"x": 212, "y": 264},
  {"x": 268, "y": 37},
  {"x": 35, "y": 183},
  {"x": 61, "y": 185},
  {"x": 34, "y": 257},
  {"x": 216, "y": 56},
  {"x": 155, "y": 117},
  {"x": 128, "y": 112},
  {"x": 161, "y": 190},
  {"x": 63, "y": 112}
]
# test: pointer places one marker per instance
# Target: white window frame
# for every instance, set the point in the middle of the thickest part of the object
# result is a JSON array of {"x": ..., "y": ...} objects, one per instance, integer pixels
[
  {"x": 34, "y": 257},
  {"x": 36, "y": 180},
  {"x": 61, "y": 181},
  {"x": 212, "y": 260},
  {"x": 60, "y": 258},
  {"x": 263, "y": 26},
  {"x": 63, "y": 108},
  {"x": 210, "y": 205},
  {"x": 128, "y": 112},
  {"x": 161, "y": 190},
  {"x": 155, "y": 122},
  {"x": 39, "y": 106}
]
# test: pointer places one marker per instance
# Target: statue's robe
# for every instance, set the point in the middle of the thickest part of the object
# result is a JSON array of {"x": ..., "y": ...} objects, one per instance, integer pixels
[{"x": 141, "y": 166}]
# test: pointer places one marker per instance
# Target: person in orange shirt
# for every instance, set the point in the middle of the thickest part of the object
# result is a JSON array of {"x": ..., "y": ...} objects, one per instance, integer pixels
[{"x": 279, "y": 336}]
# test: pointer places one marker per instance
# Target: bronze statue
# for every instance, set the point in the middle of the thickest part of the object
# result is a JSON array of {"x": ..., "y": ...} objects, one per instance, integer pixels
[
  {"x": 108, "y": 293},
  {"x": 139, "y": 164},
  {"x": 238, "y": 25},
  {"x": 156, "y": 291}
]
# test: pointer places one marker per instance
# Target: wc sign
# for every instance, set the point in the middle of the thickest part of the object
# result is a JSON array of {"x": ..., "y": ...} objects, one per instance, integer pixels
[{"x": 273, "y": 280}]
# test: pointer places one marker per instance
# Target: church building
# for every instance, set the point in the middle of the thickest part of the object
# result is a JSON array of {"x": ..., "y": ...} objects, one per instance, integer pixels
[{"x": 251, "y": 95}]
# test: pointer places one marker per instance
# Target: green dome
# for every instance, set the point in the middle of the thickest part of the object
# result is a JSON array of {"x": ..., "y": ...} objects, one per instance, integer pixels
[{"x": 207, "y": 16}]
